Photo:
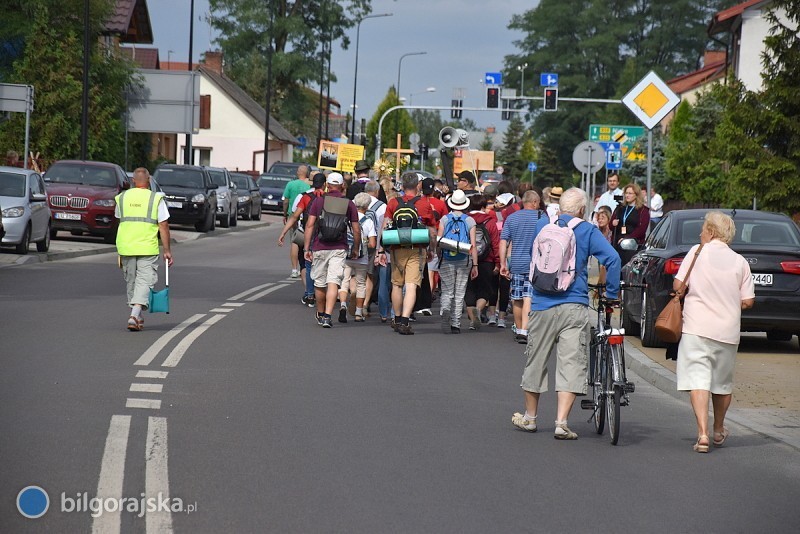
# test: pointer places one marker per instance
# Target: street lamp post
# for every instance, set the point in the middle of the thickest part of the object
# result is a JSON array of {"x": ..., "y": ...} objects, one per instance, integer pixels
[
  {"x": 355, "y": 80},
  {"x": 522, "y": 68},
  {"x": 400, "y": 65},
  {"x": 427, "y": 90}
]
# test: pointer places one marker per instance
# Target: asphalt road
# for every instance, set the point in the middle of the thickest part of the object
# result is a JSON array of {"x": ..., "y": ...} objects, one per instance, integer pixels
[{"x": 238, "y": 404}]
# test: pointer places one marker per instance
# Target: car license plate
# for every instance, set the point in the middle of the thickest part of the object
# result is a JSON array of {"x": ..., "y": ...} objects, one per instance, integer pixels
[
  {"x": 270, "y": 202},
  {"x": 67, "y": 216},
  {"x": 762, "y": 279},
  {"x": 171, "y": 204}
]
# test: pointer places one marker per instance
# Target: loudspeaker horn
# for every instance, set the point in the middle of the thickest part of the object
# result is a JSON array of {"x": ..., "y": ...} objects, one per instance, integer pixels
[{"x": 452, "y": 137}]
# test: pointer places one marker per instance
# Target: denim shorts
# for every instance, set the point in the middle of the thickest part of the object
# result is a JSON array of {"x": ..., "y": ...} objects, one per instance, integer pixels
[{"x": 521, "y": 286}]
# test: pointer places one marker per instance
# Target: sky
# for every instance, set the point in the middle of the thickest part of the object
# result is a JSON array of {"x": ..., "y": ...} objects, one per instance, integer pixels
[{"x": 463, "y": 40}]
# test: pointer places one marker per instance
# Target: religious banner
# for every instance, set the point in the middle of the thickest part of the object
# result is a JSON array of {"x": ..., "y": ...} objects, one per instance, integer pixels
[
  {"x": 473, "y": 160},
  {"x": 339, "y": 156}
]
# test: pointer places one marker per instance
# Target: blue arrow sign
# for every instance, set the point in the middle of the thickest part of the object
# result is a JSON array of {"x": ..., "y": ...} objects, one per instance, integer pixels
[
  {"x": 548, "y": 79},
  {"x": 493, "y": 78},
  {"x": 610, "y": 146},
  {"x": 303, "y": 142},
  {"x": 532, "y": 166}
]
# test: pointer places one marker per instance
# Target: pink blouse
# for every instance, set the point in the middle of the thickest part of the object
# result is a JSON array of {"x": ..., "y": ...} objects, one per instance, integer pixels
[{"x": 719, "y": 282}]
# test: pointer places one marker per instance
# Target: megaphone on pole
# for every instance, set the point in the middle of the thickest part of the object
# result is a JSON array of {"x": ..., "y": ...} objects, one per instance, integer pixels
[{"x": 451, "y": 137}]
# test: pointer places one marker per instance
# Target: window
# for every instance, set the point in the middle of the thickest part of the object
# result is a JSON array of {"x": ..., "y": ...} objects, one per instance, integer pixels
[{"x": 205, "y": 112}]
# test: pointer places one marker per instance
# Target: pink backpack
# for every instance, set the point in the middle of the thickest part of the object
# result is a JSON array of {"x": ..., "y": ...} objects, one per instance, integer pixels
[{"x": 553, "y": 259}]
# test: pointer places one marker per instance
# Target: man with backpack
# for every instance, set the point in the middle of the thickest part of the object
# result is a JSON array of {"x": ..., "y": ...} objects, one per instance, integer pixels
[
  {"x": 482, "y": 290},
  {"x": 518, "y": 231},
  {"x": 559, "y": 313},
  {"x": 408, "y": 212},
  {"x": 326, "y": 244}
]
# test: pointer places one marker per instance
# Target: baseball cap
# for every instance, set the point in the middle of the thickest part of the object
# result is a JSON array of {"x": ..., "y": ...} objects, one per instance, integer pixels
[
  {"x": 505, "y": 199},
  {"x": 427, "y": 186},
  {"x": 335, "y": 178}
]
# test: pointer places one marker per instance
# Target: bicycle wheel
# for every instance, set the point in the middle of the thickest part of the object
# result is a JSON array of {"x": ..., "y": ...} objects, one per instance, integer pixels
[
  {"x": 598, "y": 386},
  {"x": 613, "y": 395}
]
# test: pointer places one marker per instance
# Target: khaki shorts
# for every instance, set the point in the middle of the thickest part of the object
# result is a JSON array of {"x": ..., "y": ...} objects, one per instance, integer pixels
[
  {"x": 327, "y": 267},
  {"x": 566, "y": 327},
  {"x": 407, "y": 266}
]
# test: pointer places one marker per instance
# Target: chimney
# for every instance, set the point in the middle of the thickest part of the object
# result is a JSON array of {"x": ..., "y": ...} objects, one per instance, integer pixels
[{"x": 213, "y": 61}]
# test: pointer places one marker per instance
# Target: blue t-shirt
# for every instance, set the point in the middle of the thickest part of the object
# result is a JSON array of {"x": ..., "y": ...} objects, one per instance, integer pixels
[
  {"x": 519, "y": 230},
  {"x": 589, "y": 241}
]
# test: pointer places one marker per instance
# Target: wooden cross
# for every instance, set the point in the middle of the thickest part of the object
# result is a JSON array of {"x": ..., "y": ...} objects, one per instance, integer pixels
[{"x": 397, "y": 152}]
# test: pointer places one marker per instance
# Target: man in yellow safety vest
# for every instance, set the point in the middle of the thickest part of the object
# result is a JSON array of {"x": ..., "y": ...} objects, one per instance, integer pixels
[{"x": 142, "y": 215}]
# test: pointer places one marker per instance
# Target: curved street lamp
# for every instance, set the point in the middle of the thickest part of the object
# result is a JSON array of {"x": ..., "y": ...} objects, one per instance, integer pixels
[
  {"x": 427, "y": 90},
  {"x": 400, "y": 65},
  {"x": 355, "y": 81}
]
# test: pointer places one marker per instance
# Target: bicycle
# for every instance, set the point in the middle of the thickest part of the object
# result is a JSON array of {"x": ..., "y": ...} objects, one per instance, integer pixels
[{"x": 610, "y": 386}]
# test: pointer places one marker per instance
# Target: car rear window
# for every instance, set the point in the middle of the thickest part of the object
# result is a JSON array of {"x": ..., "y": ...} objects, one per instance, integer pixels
[
  {"x": 273, "y": 181},
  {"x": 290, "y": 170},
  {"x": 12, "y": 184},
  {"x": 242, "y": 182},
  {"x": 749, "y": 232},
  {"x": 80, "y": 174},
  {"x": 218, "y": 177},
  {"x": 179, "y": 177}
]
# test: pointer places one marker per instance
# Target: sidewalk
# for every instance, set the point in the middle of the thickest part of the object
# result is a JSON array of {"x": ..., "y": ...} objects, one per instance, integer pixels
[{"x": 766, "y": 397}]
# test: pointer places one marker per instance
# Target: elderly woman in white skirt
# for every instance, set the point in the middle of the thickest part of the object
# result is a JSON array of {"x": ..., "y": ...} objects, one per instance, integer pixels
[{"x": 720, "y": 287}]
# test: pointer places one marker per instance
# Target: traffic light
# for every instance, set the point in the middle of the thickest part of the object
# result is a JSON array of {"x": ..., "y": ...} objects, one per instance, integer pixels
[
  {"x": 505, "y": 114},
  {"x": 551, "y": 99},
  {"x": 456, "y": 113},
  {"x": 492, "y": 97}
]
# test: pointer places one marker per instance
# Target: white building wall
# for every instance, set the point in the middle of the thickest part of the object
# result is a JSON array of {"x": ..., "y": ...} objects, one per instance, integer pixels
[
  {"x": 234, "y": 135},
  {"x": 755, "y": 29}
]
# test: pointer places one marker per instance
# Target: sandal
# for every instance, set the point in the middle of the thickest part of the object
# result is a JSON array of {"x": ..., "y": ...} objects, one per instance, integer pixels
[
  {"x": 359, "y": 318},
  {"x": 720, "y": 437},
  {"x": 701, "y": 447},
  {"x": 135, "y": 324}
]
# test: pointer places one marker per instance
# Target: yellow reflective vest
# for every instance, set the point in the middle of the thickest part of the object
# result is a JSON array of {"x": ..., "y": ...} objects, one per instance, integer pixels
[{"x": 138, "y": 222}]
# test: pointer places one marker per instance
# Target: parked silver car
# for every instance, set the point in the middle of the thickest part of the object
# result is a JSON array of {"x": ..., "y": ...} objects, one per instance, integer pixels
[
  {"x": 26, "y": 216},
  {"x": 227, "y": 198}
]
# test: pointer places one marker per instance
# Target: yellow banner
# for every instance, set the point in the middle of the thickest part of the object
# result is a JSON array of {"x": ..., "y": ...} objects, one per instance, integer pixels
[{"x": 339, "y": 156}]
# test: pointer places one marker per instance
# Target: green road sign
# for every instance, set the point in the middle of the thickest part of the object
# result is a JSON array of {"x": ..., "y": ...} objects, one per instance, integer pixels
[{"x": 624, "y": 135}]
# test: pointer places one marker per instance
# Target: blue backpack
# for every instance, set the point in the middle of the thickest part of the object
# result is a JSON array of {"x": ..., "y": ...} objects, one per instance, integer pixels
[{"x": 456, "y": 229}]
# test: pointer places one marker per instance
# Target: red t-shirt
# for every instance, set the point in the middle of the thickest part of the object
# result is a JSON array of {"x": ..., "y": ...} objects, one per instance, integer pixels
[
  {"x": 423, "y": 207},
  {"x": 511, "y": 208},
  {"x": 439, "y": 206}
]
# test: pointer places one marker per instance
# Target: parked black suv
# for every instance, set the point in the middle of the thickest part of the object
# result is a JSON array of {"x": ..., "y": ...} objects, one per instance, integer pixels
[{"x": 191, "y": 195}]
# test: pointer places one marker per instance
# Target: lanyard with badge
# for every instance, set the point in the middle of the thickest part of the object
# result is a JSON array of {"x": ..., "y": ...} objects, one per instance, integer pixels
[{"x": 628, "y": 210}]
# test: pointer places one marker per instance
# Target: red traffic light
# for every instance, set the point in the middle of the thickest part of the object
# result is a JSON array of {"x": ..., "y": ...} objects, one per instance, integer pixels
[
  {"x": 550, "y": 99},
  {"x": 492, "y": 97}
]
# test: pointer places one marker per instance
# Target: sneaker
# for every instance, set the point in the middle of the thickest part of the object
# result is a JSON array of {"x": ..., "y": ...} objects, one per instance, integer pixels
[
  {"x": 311, "y": 302},
  {"x": 455, "y": 330},
  {"x": 326, "y": 322},
  {"x": 484, "y": 317},
  {"x": 475, "y": 324},
  {"x": 393, "y": 324},
  {"x": 426, "y": 312},
  {"x": 413, "y": 317},
  {"x": 501, "y": 323},
  {"x": 405, "y": 330},
  {"x": 446, "y": 322},
  {"x": 342, "y": 315},
  {"x": 514, "y": 329},
  {"x": 492, "y": 320},
  {"x": 519, "y": 421},
  {"x": 563, "y": 432},
  {"x": 522, "y": 339},
  {"x": 318, "y": 315},
  {"x": 295, "y": 273}
]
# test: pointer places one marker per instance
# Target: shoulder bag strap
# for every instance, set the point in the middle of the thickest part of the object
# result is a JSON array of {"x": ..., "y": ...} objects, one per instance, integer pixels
[{"x": 685, "y": 281}]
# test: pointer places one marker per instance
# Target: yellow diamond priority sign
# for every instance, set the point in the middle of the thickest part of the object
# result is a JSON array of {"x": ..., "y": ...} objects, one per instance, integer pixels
[{"x": 651, "y": 100}]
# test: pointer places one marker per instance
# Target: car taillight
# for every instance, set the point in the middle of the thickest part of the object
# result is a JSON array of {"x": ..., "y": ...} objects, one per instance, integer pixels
[
  {"x": 672, "y": 265},
  {"x": 791, "y": 267}
]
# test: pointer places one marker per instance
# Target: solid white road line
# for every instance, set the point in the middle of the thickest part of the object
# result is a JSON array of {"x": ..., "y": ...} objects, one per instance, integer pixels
[
  {"x": 147, "y": 404},
  {"x": 112, "y": 472},
  {"x": 151, "y": 353},
  {"x": 177, "y": 353},
  {"x": 147, "y": 388},
  {"x": 234, "y": 304},
  {"x": 251, "y": 290},
  {"x": 220, "y": 310},
  {"x": 156, "y": 475},
  {"x": 266, "y": 292},
  {"x": 152, "y": 374}
]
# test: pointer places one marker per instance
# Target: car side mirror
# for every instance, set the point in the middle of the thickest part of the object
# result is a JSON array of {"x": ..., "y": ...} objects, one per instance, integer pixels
[
  {"x": 628, "y": 244},
  {"x": 38, "y": 197}
]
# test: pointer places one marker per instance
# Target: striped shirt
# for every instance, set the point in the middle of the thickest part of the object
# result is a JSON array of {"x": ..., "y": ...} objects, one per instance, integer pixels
[{"x": 519, "y": 229}]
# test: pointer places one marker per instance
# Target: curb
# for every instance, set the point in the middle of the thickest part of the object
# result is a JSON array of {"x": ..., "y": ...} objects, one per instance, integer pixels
[{"x": 666, "y": 381}]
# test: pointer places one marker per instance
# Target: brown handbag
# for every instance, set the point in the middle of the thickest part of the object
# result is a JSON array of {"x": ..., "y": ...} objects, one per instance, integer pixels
[{"x": 669, "y": 323}]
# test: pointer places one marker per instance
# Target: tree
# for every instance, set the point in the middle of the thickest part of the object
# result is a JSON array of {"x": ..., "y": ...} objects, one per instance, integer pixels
[
  {"x": 428, "y": 124},
  {"x": 487, "y": 143},
  {"x": 52, "y": 61},
  {"x": 397, "y": 121},
  {"x": 298, "y": 30},
  {"x": 509, "y": 156}
]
